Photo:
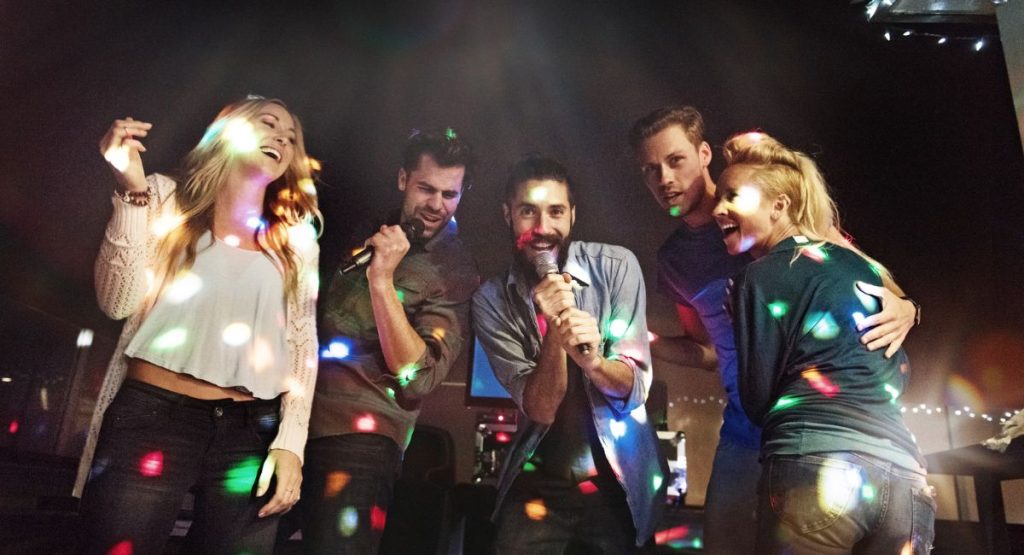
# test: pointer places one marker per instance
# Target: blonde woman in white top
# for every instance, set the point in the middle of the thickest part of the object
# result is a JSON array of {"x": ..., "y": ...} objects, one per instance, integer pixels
[{"x": 211, "y": 384}]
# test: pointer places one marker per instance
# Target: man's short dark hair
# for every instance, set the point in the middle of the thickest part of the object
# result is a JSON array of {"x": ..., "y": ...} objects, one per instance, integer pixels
[
  {"x": 686, "y": 117},
  {"x": 535, "y": 166},
  {"x": 445, "y": 147}
]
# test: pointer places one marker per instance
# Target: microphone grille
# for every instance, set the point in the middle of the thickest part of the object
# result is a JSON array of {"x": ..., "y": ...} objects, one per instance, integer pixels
[
  {"x": 413, "y": 228},
  {"x": 545, "y": 263}
]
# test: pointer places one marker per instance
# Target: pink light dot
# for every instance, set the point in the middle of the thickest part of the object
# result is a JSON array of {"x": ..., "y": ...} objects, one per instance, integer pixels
[
  {"x": 13, "y": 428},
  {"x": 152, "y": 464},
  {"x": 366, "y": 424},
  {"x": 378, "y": 518},
  {"x": 587, "y": 487},
  {"x": 121, "y": 548}
]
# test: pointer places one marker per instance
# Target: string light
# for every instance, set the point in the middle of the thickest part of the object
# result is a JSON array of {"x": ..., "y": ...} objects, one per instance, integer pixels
[{"x": 977, "y": 43}]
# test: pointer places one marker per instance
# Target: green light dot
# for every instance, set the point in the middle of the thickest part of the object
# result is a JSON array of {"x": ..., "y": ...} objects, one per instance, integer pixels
[
  {"x": 391, "y": 392},
  {"x": 240, "y": 478},
  {"x": 785, "y": 403},
  {"x": 618, "y": 328},
  {"x": 406, "y": 375},
  {"x": 656, "y": 481},
  {"x": 401, "y": 296},
  {"x": 675, "y": 211},
  {"x": 450, "y": 133},
  {"x": 867, "y": 492},
  {"x": 529, "y": 467},
  {"x": 778, "y": 309}
]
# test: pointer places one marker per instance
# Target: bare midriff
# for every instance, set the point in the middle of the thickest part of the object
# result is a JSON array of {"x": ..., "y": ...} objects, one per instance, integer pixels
[{"x": 183, "y": 384}]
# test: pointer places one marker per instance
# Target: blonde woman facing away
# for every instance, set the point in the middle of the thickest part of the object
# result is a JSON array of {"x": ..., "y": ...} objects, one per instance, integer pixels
[{"x": 840, "y": 471}]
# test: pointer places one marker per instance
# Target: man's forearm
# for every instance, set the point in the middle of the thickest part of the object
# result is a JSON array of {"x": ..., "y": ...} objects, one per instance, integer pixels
[
  {"x": 546, "y": 385},
  {"x": 614, "y": 378},
  {"x": 399, "y": 342}
]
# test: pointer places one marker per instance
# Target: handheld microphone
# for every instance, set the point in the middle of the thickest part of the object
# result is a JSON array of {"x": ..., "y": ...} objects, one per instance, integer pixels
[
  {"x": 412, "y": 228},
  {"x": 545, "y": 265}
]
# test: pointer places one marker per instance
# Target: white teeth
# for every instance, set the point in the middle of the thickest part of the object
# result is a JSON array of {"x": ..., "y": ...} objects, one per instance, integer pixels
[{"x": 273, "y": 153}]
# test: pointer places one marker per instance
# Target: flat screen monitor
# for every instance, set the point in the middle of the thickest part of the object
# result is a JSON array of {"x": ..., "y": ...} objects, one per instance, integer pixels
[{"x": 482, "y": 388}]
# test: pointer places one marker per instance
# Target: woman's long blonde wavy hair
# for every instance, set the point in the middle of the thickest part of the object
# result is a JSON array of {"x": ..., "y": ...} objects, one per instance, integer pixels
[
  {"x": 289, "y": 201},
  {"x": 781, "y": 170}
]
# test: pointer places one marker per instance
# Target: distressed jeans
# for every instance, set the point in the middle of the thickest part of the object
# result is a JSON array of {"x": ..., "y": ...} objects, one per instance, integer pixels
[
  {"x": 156, "y": 445},
  {"x": 843, "y": 502}
]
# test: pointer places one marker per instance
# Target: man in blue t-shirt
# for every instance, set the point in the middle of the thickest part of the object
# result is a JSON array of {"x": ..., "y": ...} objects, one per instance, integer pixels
[{"x": 693, "y": 270}]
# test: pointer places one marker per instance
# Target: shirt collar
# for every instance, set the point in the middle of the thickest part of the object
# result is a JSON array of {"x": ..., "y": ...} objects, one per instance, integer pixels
[{"x": 573, "y": 266}]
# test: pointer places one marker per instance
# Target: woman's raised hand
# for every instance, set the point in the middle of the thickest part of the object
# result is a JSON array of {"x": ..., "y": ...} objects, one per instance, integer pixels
[{"x": 120, "y": 147}]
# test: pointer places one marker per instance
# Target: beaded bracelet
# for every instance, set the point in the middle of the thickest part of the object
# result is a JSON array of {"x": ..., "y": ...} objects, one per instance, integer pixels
[{"x": 135, "y": 198}]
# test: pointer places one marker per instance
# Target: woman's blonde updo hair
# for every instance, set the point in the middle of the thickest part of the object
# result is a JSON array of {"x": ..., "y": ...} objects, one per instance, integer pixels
[
  {"x": 762, "y": 159},
  {"x": 290, "y": 201},
  {"x": 779, "y": 170}
]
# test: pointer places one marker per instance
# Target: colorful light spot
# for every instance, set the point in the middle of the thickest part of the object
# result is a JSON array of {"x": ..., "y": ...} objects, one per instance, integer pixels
[
  {"x": 438, "y": 333},
  {"x": 122, "y": 548},
  {"x": 820, "y": 383},
  {"x": 502, "y": 437},
  {"x": 255, "y": 222},
  {"x": 617, "y": 328},
  {"x": 232, "y": 240},
  {"x": 785, "y": 402},
  {"x": 165, "y": 224},
  {"x": 236, "y": 334},
  {"x": 537, "y": 194},
  {"x": 152, "y": 464},
  {"x": 366, "y": 423},
  {"x": 535, "y": 509},
  {"x": 675, "y": 211},
  {"x": 261, "y": 356},
  {"x": 815, "y": 253},
  {"x": 390, "y": 392},
  {"x": 12, "y": 428},
  {"x": 406, "y": 375},
  {"x": 836, "y": 488},
  {"x": 183, "y": 287},
  {"x": 587, "y": 487},
  {"x": 240, "y": 478},
  {"x": 85, "y": 336},
  {"x": 401, "y": 295},
  {"x": 671, "y": 536},
  {"x": 778, "y": 309},
  {"x": 336, "y": 350},
  {"x": 821, "y": 325},
  {"x": 334, "y": 482},
  {"x": 867, "y": 492},
  {"x": 241, "y": 136},
  {"x": 302, "y": 236},
  {"x": 307, "y": 186},
  {"x": 651, "y": 337},
  {"x": 747, "y": 199},
  {"x": 378, "y": 518},
  {"x": 893, "y": 392},
  {"x": 170, "y": 339},
  {"x": 529, "y": 466},
  {"x": 656, "y": 481},
  {"x": 6, "y": 379},
  {"x": 618, "y": 428},
  {"x": 348, "y": 521}
]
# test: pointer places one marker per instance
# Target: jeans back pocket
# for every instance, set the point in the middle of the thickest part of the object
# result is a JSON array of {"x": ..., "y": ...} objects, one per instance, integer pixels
[{"x": 811, "y": 493}]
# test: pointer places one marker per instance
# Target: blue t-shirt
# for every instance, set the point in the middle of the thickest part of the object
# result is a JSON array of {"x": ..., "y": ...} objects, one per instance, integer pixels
[{"x": 693, "y": 270}]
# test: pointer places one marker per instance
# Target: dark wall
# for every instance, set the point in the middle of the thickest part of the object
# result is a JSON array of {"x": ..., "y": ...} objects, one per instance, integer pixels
[{"x": 917, "y": 139}]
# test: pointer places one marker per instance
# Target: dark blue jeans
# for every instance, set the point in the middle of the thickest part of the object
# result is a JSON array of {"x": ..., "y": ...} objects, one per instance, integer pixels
[
  {"x": 544, "y": 515},
  {"x": 843, "y": 502},
  {"x": 347, "y": 485},
  {"x": 729, "y": 521},
  {"x": 156, "y": 445}
]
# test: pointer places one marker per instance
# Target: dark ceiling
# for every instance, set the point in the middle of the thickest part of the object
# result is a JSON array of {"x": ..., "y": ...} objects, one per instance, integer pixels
[{"x": 916, "y": 138}]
